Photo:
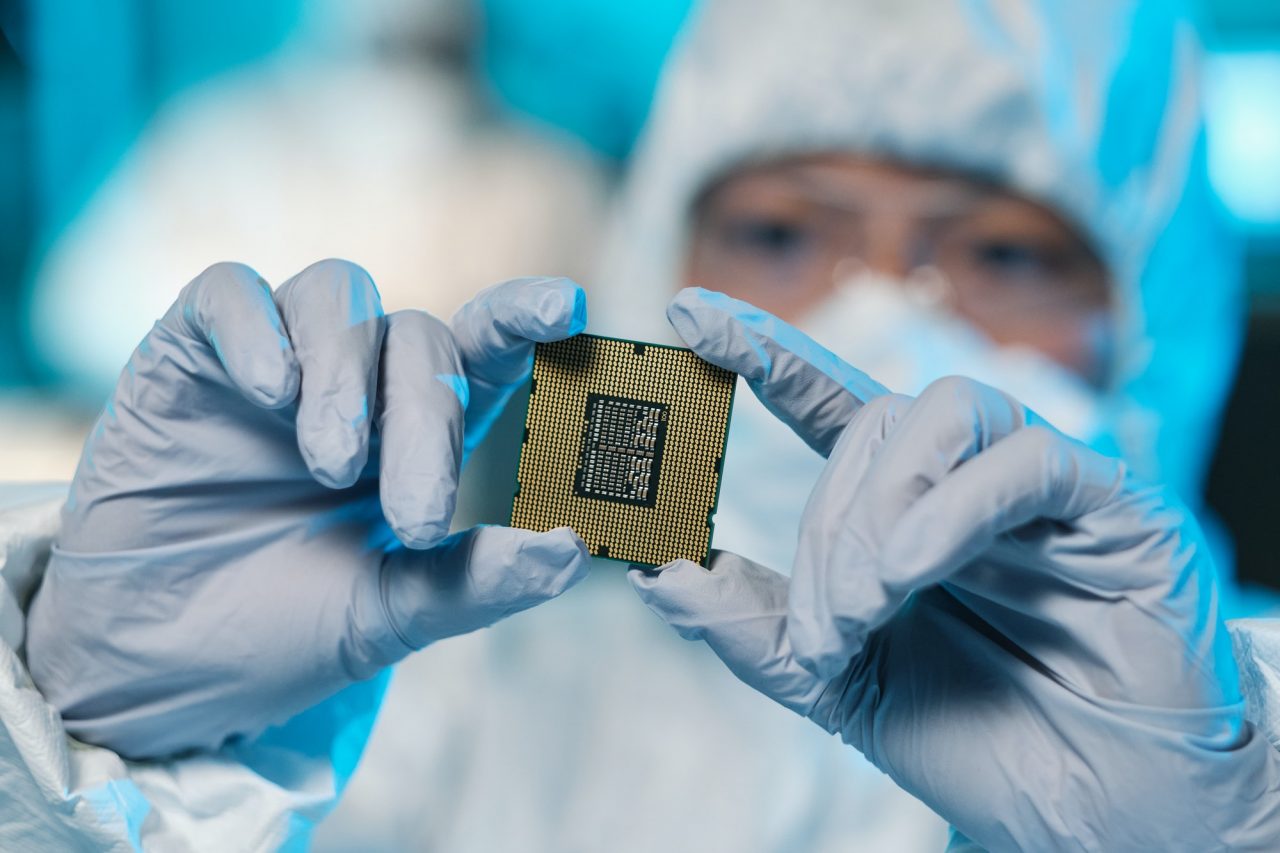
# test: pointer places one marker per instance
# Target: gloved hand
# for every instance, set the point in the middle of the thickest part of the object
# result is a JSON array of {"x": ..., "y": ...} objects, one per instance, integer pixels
[
  {"x": 996, "y": 616},
  {"x": 261, "y": 513}
]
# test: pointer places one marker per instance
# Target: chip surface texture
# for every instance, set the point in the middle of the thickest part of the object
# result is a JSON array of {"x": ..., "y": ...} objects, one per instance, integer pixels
[{"x": 624, "y": 442}]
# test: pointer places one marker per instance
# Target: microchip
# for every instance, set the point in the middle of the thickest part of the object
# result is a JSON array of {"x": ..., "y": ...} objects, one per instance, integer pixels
[
  {"x": 624, "y": 442},
  {"x": 621, "y": 450}
]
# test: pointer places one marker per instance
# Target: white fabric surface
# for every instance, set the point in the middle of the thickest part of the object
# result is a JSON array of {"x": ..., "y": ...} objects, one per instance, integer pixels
[
  {"x": 59, "y": 794},
  {"x": 1257, "y": 649}
]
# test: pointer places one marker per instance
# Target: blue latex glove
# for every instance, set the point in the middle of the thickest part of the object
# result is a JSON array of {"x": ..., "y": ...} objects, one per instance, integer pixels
[
  {"x": 998, "y": 617},
  {"x": 261, "y": 513}
]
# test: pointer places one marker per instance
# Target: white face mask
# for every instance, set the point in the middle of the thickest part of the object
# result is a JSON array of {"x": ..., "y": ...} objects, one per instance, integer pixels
[{"x": 879, "y": 327}]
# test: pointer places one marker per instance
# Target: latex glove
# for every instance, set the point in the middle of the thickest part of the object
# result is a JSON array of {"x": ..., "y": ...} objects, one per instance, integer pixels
[
  {"x": 998, "y": 617},
  {"x": 261, "y": 513}
]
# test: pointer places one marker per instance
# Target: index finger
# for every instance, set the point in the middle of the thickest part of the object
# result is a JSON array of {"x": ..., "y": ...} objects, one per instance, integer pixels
[
  {"x": 797, "y": 379},
  {"x": 229, "y": 308},
  {"x": 496, "y": 332},
  {"x": 334, "y": 317}
]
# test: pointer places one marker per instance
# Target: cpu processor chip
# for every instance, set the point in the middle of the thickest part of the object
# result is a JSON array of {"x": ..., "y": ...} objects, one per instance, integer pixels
[{"x": 624, "y": 442}]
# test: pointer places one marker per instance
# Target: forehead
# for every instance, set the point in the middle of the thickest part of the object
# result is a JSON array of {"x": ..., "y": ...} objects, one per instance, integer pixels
[{"x": 855, "y": 184}]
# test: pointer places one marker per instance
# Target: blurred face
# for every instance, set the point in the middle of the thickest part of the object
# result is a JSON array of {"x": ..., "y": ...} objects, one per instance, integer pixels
[{"x": 782, "y": 236}]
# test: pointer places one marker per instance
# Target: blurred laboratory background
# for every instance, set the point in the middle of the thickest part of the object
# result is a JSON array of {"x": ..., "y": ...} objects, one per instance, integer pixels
[{"x": 444, "y": 144}]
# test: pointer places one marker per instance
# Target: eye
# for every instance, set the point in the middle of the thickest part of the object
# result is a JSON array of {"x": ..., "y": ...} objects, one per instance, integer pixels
[
  {"x": 769, "y": 237},
  {"x": 1013, "y": 259}
]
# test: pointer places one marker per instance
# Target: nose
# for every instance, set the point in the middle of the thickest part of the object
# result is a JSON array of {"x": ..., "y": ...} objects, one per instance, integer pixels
[{"x": 889, "y": 249}]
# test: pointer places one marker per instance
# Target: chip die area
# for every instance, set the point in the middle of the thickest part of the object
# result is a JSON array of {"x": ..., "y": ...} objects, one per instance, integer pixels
[{"x": 624, "y": 442}]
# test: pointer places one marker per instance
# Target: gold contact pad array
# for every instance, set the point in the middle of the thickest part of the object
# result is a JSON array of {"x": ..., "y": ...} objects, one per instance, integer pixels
[{"x": 698, "y": 397}]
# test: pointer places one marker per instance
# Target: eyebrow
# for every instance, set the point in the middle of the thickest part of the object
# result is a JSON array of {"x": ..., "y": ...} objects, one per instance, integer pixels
[{"x": 939, "y": 199}]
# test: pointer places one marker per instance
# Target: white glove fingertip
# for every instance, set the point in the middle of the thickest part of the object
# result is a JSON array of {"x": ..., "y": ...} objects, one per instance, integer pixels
[
  {"x": 552, "y": 309},
  {"x": 271, "y": 383},
  {"x": 801, "y": 382},
  {"x": 563, "y": 553},
  {"x": 267, "y": 382},
  {"x": 272, "y": 392},
  {"x": 674, "y": 593},
  {"x": 705, "y": 330},
  {"x": 430, "y": 526},
  {"x": 231, "y": 308},
  {"x": 334, "y": 451}
]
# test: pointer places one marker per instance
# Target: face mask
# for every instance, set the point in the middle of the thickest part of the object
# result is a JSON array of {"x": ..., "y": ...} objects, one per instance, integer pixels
[{"x": 883, "y": 328}]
